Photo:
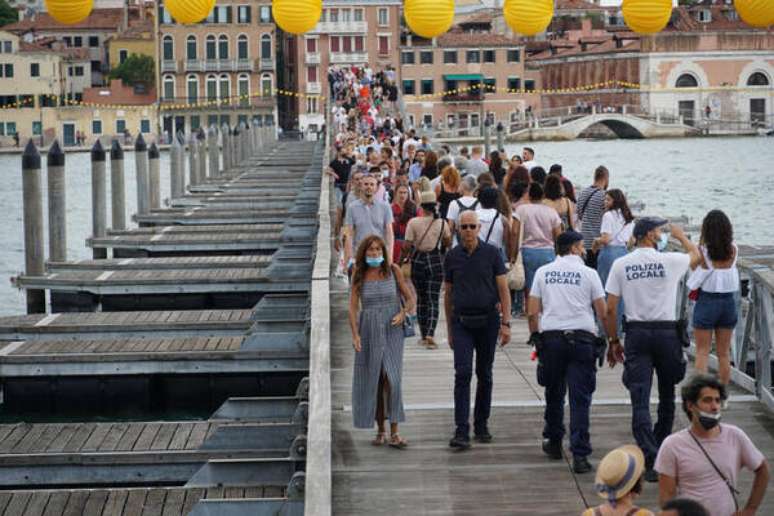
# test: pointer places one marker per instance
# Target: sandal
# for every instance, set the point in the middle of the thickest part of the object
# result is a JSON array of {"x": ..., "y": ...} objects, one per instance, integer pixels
[
  {"x": 431, "y": 343},
  {"x": 396, "y": 441},
  {"x": 380, "y": 439}
]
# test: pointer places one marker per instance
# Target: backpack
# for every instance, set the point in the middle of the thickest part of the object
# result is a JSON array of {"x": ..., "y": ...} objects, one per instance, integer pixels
[{"x": 463, "y": 208}]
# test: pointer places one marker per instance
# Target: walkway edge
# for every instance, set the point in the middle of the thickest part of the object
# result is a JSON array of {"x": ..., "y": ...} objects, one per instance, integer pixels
[{"x": 318, "y": 489}]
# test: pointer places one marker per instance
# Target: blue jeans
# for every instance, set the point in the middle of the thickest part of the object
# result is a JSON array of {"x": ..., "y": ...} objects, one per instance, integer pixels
[
  {"x": 482, "y": 341},
  {"x": 533, "y": 260},
  {"x": 607, "y": 256}
]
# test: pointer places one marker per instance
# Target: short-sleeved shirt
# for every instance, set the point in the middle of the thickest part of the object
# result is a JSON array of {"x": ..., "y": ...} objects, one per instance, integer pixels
[
  {"x": 490, "y": 219},
  {"x": 539, "y": 222},
  {"x": 423, "y": 237},
  {"x": 681, "y": 458},
  {"x": 615, "y": 225},
  {"x": 567, "y": 289},
  {"x": 464, "y": 203},
  {"x": 473, "y": 278},
  {"x": 476, "y": 167},
  {"x": 647, "y": 281},
  {"x": 342, "y": 167},
  {"x": 368, "y": 219},
  {"x": 591, "y": 207}
]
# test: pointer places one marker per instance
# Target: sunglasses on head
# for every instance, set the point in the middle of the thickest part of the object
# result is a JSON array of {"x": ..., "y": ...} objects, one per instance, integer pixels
[{"x": 468, "y": 226}]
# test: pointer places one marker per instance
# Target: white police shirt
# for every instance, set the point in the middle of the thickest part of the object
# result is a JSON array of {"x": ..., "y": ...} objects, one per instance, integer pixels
[
  {"x": 647, "y": 281},
  {"x": 567, "y": 289}
]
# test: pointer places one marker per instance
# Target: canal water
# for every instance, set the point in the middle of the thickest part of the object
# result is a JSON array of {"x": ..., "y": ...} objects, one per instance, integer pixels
[{"x": 671, "y": 177}]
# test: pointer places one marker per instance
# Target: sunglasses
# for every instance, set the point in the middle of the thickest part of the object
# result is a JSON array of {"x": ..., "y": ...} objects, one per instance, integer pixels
[{"x": 468, "y": 226}]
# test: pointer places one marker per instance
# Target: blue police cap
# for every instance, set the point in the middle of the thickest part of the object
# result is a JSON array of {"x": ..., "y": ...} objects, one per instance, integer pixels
[
  {"x": 645, "y": 224},
  {"x": 569, "y": 237}
]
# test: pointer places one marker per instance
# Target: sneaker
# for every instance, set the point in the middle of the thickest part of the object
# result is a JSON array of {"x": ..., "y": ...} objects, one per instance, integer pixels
[
  {"x": 483, "y": 436},
  {"x": 650, "y": 475},
  {"x": 460, "y": 442},
  {"x": 553, "y": 449},
  {"x": 581, "y": 465}
]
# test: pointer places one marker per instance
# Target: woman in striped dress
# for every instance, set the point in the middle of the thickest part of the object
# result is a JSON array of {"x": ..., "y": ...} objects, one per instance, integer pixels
[{"x": 376, "y": 315}]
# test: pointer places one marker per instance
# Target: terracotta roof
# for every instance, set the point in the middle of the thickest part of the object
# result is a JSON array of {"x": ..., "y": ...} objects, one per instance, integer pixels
[
  {"x": 44, "y": 45},
  {"x": 118, "y": 93},
  {"x": 141, "y": 29},
  {"x": 482, "y": 16},
  {"x": 477, "y": 39},
  {"x": 577, "y": 5},
  {"x": 684, "y": 19},
  {"x": 606, "y": 47},
  {"x": 99, "y": 19}
]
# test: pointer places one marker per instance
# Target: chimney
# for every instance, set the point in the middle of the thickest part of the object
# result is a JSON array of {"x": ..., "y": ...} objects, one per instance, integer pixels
[{"x": 586, "y": 27}]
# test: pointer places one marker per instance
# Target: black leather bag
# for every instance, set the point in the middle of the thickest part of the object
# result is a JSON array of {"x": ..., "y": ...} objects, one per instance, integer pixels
[{"x": 474, "y": 321}]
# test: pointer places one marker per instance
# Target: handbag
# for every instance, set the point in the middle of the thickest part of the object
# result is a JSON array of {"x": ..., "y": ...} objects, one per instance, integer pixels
[{"x": 516, "y": 277}]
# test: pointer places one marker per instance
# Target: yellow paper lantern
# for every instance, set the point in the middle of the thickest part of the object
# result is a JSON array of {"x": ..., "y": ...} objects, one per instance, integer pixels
[
  {"x": 69, "y": 11},
  {"x": 528, "y": 17},
  {"x": 647, "y": 16},
  {"x": 429, "y": 18},
  {"x": 296, "y": 16},
  {"x": 189, "y": 11},
  {"x": 757, "y": 13}
]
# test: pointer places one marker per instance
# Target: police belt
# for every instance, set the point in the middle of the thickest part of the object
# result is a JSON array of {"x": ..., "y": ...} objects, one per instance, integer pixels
[
  {"x": 651, "y": 325},
  {"x": 569, "y": 333}
]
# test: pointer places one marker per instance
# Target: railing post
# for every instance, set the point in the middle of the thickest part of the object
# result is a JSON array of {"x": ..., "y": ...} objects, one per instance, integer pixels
[
  {"x": 98, "y": 198},
  {"x": 235, "y": 147},
  {"x": 141, "y": 166},
  {"x": 57, "y": 204},
  {"x": 193, "y": 157},
  {"x": 212, "y": 148},
  {"x": 154, "y": 177},
  {"x": 117, "y": 194},
  {"x": 225, "y": 135},
  {"x": 763, "y": 341},
  {"x": 34, "y": 258},
  {"x": 487, "y": 143},
  {"x": 202, "y": 158},
  {"x": 175, "y": 161},
  {"x": 500, "y": 136}
]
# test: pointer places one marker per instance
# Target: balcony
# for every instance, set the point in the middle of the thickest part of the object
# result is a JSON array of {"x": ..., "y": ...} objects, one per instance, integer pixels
[
  {"x": 349, "y": 57},
  {"x": 473, "y": 96},
  {"x": 267, "y": 65},
  {"x": 194, "y": 65},
  {"x": 313, "y": 88},
  {"x": 169, "y": 66},
  {"x": 312, "y": 58},
  {"x": 245, "y": 65},
  {"x": 203, "y": 104},
  {"x": 340, "y": 27},
  {"x": 220, "y": 65}
]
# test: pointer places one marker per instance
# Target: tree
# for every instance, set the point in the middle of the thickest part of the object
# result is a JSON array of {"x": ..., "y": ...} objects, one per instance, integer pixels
[
  {"x": 7, "y": 14},
  {"x": 137, "y": 69}
]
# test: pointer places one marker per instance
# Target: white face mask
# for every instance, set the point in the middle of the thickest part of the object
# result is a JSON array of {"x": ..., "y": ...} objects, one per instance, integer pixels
[{"x": 662, "y": 243}]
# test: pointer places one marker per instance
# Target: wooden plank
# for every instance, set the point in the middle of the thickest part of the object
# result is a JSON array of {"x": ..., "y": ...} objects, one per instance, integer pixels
[
  {"x": 182, "y": 433},
  {"x": 5, "y": 499},
  {"x": 196, "y": 439},
  {"x": 234, "y": 492},
  {"x": 254, "y": 492},
  {"x": 57, "y": 503},
  {"x": 14, "y": 437},
  {"x": 95, "y": 503},
  {"x": 146, "y": 437},
  {"x": 37, "y": 503},
  {"x": 192, "y": 497},
  {"x": 116, "y": 501},
  {"x": 80, "y": 436},
  {"x": 36, "y": 440},
  {"x": 214, "y": 493},
  {"x": 154, "y": 503},
  {"x": 173, "y": 506},
  {"x": 59, "y": 442},
  {"x": 113, "y": 437},
  {"x": 96, "y": 437},
  {"x": 130, "y": 437},
  {"x": 163, "y": 438},
  {"x": 135, "y": 502},
  {"x": 76, "y": 504},
  {"x": 18, "y": 503},
  {"x": 5, "y": 431}
]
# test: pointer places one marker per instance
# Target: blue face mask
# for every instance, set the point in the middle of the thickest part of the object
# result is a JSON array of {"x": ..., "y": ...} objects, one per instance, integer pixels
[
  {"x": 662, "y": 243},
  {"x": 374, "y": 262}
]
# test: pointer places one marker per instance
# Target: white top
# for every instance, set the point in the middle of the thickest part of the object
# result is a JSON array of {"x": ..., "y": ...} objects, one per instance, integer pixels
[
  {"x": 719, "y": 281},
  {"x": 406, "y": 143},
  {"x": 529, "y": 165},
  {"x": 454, "y": 207},
  {"x": 647, "y": 281},
  {"x": 567, "y": 289},
  {"x": 486, "y": 217},
  {"x": 614, "y": 224}
]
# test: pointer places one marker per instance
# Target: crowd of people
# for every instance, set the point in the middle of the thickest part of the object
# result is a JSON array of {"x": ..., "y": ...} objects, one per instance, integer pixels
[{"x": 501, "y": 237}]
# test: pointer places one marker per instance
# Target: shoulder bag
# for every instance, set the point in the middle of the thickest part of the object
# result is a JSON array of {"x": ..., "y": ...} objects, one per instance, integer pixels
[
  {"x": 405, "y": 264},
  {"x": 730, "y": 486},
  {"x": 516, "y": 277}
]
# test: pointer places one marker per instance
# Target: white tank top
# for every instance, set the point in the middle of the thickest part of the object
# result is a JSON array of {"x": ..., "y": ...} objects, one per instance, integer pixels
[{"x": 715, "y": 280}]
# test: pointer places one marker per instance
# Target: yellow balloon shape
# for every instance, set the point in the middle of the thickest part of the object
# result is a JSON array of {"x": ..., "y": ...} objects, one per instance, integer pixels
[
  {"x": 429, "y": 18},
  {"x": 296, "y": 16},
  {"x": 528, "y": 17},
  {"x": 189, "y": 11},
  {"x": 69, "y": 11},
  {"x": 757, "y": 13},
  {"x": 647, "y": 16}
]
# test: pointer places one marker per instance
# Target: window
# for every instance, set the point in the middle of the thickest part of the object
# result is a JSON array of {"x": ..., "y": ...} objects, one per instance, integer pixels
[
  {"x": 407, "y": 58},
  {"x": 311, "y": 45},
  {"x": 79, "y": 71},
  {"x": 223, "y": 47},
  {"x": 243, "y": 86},
  {"x": 266, "y": 85},
  {"x": 427, "y": 120},
  {"x": 37, "y": 128},
  {"x": 93, "y": 41},
  {"x": 358, "y": 15},
  {"x": 169, "y": 87},
  {"x": 241, "y": 119},
  {"x": 34, "y": 69},
  {"x": 196, "y": 122},
  {"x": 265, "y": 46},
  {"x": 225, "y": 87},
  {"x": 96, "y": 67},
  {"x": 359, "y": 43},
  {"x": 426, "y": 57},
  {"x": 450, "y": 56},
  {"x": 7, "y": 47},
  {"x": 78, "y": 41},
  {"x": 145, "y": 126},
  {"x": 514, "y": 83},
  {"x": 334, "y": 15},
  {"x": 242, "y": 47},
  {"x": 384, "y": 45},
  {"x": 211, "y": 48},
  {"x": 335, "y": 44},
  {"x": 489, "y": 56},
  {"x": 243, "y": 14},
  {"x": 190, "y": 48},
  {"x": 168, "y": 48},
  {"x": 96, "y": 126},
  {"x": 529, "y": 85},
  {"x": 7, "y": 71},
  {"x": 409, "y": 87},
  {"x": 758, "y": 79},
  {"x": 514, "y": 55},
  {"x": 10, "y": 128},
  {"x": 346, "y": 15},
  {"x": 123, "y": 55},
  {"x": 473, "y": 56},
  {"x": 427, "y": 87},
  {"x": 686, "y": 81},
  {"x": 383, "y": 16},
  {"x": 451, "y": 85},
  {"x": 120, "y": 126},
  {"x": 68, "y": 41},
  {"x": 705, "y": 16},
  {"x": 490, "y": 85},
  {"x": 212, "y": 87},
  {"x": 220, "y": 14},
  {"x": 265, "y": 14},
  {"x": 193, "y": 89},
  {"x": 311, "y": 74},
  {"x": 166, "y": 18},
  {"x": 212, "y": 120},
  {"x": 311, "y": 105},
  {"x": 347, "y": 41}
]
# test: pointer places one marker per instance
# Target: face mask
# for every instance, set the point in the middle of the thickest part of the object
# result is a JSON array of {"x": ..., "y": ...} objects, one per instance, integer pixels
[
  {"x": 385, "y": 174},
  {"x": 709, "y": 421},
  {"x": 374, "y": 262},
  {"x": 662, "y": 243}
]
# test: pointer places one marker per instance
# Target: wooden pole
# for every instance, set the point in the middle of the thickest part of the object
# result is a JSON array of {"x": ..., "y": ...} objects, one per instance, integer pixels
[
  {"x": 193, "y": 155},
  {"x": 57, "y": 204},
  {"x": 202, "y": 158},
  {"x": 98, "y": 198},
  {"x": 225, "y": 134},
  {"x": 212, "y": 149},
  {"x": 141, "y": 166},
  {"x": 34, "y": 259},
  {"x": 117, "y": 195},
  {"x": 154, "y": 177},
  {"x": 175, "y": 161}
]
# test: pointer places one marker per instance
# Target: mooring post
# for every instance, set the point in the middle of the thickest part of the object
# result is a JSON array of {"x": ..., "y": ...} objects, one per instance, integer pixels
[
  {"x": 154, "y": 177},
  {"x": 181, "y": 165},
  {"x": 225, "y": 136},
  {"x": 212, "y": 149},
  {"x": 98, "y": 198},
  {"x": 117, "y": 195},
  {"x": 500, "y": 136},
  {"x": 487, "y": 143},
  {"x": 57, "y": 205},
  {"x": 175, "y": 158},
  {"x": 235, "y": 147},
  {"x": 242, "y": 146},
  {"x": 193, "y": 157},
  {"x": 34, "y": 258},
  {"x": 202, "y": 157},
  {"x": 141, "y": 166},
  {"x": 248, "y": 140}
]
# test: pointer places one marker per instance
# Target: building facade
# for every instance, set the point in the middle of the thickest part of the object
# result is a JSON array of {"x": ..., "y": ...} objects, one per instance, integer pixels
[
  {"x": 221, "y": 70},
  {"x": 349, "y": 33}
]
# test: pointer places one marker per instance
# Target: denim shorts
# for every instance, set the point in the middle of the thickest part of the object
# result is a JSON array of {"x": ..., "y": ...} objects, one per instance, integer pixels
[{"x": 715, "y": 310}]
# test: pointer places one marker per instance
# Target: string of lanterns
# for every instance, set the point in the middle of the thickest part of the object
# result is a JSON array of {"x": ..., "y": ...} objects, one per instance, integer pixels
[{"x": 430, "y": 18}]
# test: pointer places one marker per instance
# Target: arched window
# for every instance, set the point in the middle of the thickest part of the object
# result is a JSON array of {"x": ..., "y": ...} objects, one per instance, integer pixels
[
  {"x": 225, "y": 87},
  {"x": 212, "y": 52},
  {"x": 266, "y": 85},
  {"x": 190, "y": 48},
  {"x": 265, "y": 46},
  {"x": 687, "y": 81},
  {"x": 758, "y": 79},
  {"x": 168, "y": 49},
  {"x": 169, "y": 87},
  {"x": 223, "y": 47},
  {"x": 243, "y": 48},
  {"x": 244, "y": 90},
  {"x": 193, "y": 89},
  {"x": 212, "y": 87}
]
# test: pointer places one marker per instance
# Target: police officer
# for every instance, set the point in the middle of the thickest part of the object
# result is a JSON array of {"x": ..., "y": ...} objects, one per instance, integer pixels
[
  {"x": 647, "y": 279},
  {"x": 562, "y": 295}
]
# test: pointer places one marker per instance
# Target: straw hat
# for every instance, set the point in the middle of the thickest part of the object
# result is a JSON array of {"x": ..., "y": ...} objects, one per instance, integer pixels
[
  {"x": 427, "y": 197},
  {"x": 619, "y": 471}
]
